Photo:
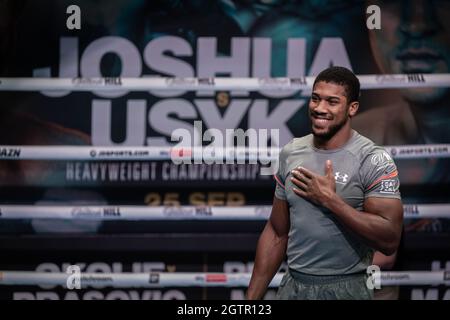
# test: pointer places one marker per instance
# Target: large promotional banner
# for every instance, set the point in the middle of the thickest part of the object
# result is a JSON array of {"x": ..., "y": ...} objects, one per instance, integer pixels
[{"x": 205, "y": 39}]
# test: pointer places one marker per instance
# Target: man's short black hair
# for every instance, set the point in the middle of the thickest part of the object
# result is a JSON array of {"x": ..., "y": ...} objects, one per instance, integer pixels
[{"x": 341, "y": 76}]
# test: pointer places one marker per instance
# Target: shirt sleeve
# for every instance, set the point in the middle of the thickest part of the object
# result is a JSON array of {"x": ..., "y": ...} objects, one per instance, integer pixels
[
  {"x": 379, "y": 175},
  {"x": 280, "y": 176}
]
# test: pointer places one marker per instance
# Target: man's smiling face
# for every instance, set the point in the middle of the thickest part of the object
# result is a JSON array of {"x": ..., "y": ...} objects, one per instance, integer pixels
[{"x": 328, "y": 109}]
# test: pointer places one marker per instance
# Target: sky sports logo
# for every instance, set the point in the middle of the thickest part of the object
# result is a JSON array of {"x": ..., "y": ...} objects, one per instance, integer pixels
[{"x": 118, "y": 153}]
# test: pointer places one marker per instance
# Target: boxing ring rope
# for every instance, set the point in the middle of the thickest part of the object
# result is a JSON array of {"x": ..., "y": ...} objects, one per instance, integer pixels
[
  {"x": 149, "y": 213},
  {"x": 193, "y": 279},
  {"x": 217, "y": 84},
  {"x": 92, "y": 153}
]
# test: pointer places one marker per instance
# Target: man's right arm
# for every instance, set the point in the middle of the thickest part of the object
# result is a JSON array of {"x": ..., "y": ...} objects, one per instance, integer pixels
[{"x": 271, "y": 249}]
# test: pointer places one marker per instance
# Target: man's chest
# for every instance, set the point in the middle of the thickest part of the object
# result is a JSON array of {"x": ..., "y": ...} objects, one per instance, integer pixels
[{"x": 345, "y": 170}]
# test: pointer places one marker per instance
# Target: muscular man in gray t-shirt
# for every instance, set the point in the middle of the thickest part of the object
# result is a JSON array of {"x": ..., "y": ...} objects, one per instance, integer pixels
[
  {"x": 336, "y": 201},
  {"x": 317, "y": 244}
]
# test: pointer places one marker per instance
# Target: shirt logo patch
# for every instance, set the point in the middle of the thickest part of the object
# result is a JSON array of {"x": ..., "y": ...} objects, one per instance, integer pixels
[
  {"x": 389, "y": 186},
  {"x": 340, "y": 178},
  {"x": 381, "y": 160}
]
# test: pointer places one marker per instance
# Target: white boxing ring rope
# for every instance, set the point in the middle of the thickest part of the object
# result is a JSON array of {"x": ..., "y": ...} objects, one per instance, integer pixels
[
  {"x": 149, "y": 213},
  {"x": 93, "y": 153},
  {"x": 216, "y": 84},
  {"x": 193, "y": 279}
]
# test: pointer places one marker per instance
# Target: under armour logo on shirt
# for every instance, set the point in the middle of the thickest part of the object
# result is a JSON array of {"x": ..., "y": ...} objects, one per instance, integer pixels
[{"x": 340, "y": 178}]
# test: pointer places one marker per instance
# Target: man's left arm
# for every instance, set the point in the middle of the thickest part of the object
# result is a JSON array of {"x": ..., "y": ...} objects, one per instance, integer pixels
[{"x": 380, "y": 224}]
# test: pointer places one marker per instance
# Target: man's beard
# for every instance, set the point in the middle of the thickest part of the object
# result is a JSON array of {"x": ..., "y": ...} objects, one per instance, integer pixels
[{"x": 332, "y": 130}]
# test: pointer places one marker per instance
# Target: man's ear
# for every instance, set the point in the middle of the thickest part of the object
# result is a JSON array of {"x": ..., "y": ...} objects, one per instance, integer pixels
[{"x": 353, "y": 108}]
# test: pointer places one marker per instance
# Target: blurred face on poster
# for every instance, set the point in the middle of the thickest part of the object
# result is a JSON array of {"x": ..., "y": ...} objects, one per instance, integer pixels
[
  {"x": 414, "y": 38},
  {"x": 3, "y": 34},
  {"x": 9, "y": 14}
]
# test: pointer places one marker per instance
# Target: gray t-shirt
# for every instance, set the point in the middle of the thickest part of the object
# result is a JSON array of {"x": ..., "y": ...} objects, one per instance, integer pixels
[{"x": 318, "y": 243}]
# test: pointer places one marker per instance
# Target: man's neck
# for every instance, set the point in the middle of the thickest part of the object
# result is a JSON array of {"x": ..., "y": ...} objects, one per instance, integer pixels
[{"x": 335, "y": 142}]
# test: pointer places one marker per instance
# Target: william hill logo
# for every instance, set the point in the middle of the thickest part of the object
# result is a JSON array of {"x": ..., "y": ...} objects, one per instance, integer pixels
[
  {"x": 9, "y": 152},
  {"x": 113, "y": 81},
  {"x": 416, "y": 77},
  {"x": 111, "y": 212},
  {"x": 298, "y": 81},
  {"x": 411, "y": 209},
  {"x": 107, "y": 81},
  {"x": 206, "y": 81}
]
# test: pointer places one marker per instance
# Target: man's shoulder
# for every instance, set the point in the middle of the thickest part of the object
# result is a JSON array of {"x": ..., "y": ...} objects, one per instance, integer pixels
[
  {"x": 363, "y": 147},
  {"x": 361, "y": 144},
  {"x": 296, "y": 144}
]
